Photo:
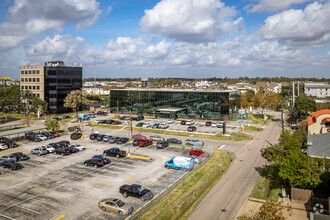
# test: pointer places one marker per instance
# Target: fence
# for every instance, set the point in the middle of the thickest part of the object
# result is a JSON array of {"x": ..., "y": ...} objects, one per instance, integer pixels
[{"x": 301, "y": 195}]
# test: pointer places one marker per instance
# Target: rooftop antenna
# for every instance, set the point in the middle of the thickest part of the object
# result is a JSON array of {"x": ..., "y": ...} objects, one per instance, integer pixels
[{"x": 94, "y": 73}]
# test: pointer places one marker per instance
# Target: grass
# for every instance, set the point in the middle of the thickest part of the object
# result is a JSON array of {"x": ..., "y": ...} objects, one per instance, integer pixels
[
  {"x": 257, "y": 120},
  {"x": 252, "y": 128},
  {"x": 188, "y": 194}
]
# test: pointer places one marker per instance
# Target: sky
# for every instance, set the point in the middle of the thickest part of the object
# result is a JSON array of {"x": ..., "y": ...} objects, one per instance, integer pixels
[{"x": 168, "y": 38}]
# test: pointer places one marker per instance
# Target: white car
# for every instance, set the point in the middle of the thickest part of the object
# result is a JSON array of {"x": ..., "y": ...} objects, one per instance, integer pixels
[
  {"x": 190, "y": 122},
  {"x": 49, "y": 149},
  {"x": 214, "y": 124},
  {"x": 3, "y": 146},
  {"x": 42, "y": 137},
  {"x": 78, "y": 147},
  {"x": 170, "y": 121},
  {"x": 44, "y": 120},
  {"x": 146, "y": 125},
  {"x": 163, "y": 125}
]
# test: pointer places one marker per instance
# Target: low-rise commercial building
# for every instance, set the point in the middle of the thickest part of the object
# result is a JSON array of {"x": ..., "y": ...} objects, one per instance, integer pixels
[
  {"x": 319, "y": 122},
  {"x": 319, "y": 90}
]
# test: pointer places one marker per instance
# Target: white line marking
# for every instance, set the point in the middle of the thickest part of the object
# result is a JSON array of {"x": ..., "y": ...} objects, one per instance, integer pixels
[
  {"x": 221, "y": 147},
  {"x": 28, "y": 209},
  {"x": 7, "y": 217}
]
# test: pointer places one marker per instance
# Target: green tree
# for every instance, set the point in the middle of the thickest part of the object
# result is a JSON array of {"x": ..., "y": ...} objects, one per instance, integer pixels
[
  {"x": 303, "y": 105},
  {"x": 75, "y": 99},
  {"x": 53, "y": 125}
]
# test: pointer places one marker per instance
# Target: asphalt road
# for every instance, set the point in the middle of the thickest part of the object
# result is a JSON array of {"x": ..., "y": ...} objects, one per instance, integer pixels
[{"x": 227, "y": 197}]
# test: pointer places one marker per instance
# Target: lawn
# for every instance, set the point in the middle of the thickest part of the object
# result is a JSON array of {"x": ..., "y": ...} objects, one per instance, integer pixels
[
  {"x": 180, "y": 201},
  {"x": 252, "y": 128},
  {"x": 258, "y": 119}
]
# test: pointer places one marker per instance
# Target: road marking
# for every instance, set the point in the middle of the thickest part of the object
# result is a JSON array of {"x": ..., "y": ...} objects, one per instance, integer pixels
[
  {"x": 139, "y": 157},
  {"x": 7, "y": 217},
  {"x": 59, "y": 165},
  {"x": 138, "y": 151},
  {"x": 221, "y": 147},
  {"x": 61, "y": 216},
  {"x": 31, "y": 210},
  {"x": 129, "y": 179}
]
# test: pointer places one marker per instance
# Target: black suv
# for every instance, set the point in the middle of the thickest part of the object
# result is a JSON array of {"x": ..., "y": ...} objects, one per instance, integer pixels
[
  {"x": 137, "y": 191},
  {"x": 63, "y": 151},
  {"x": 192, "y": 128},
  {"x": 96, "y": 162},
  {"x": 76, "y": 136},
  {"x": 20, "y": 156},
  {"x": 105, "y": 159},
  {"x": 183, "y": 122},
  {"x": 48, "y": 135},
  {"x": 100, "y": 137},
  {"x": 33, "y": 138},
  {"x": 114, "y": 152},
  {"x": 11, "y": 164},
  {"x": 93, "y": 136},
  {"x": 122, "y": 140},
  {"x": 161, "y": 144},
  {"x": 64, "y": 143}
]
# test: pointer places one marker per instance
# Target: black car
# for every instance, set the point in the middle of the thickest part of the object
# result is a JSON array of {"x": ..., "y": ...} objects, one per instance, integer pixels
[
  {"x": 20, "y": 156},
  {"x": 55, "y": 145},
  {"x": 63, "y": 151},
  {"x": 96, "y": 162},
  {"x": 122, "y": 140},
  {"x": 137, "y": 191},
  {"x": 93, "y": 136},
  {"x": 113, "y": 139},
  {"x": 64, "y": 143},
  {"x": 73, "y": 128},
  {"x": 11, "y": 144},
  {"x": 161, "y": 144},
  {"x": 57, "y": 118},
  {"x": 66, "y": 117},
  {"x": 100, "y": 137},
  {"x": 72, "y": 149},
  {"x": 156, "y": 125},
  {"x": 174, "y": 141},
  {"x": 76, "y": 136},
  {"x": 125, "y": 118},
  {"x": 48, "y": 135},
  {"x": 140, "y": 124},
  {"x": 33, "y": 138},
  {"x": 11, "y": 164},
  {"x": 105, "y": 160},
  {"x": 114, "y": 152},
  {"x": 183, "y": 122},
  {"x": 192, "y": 128}
]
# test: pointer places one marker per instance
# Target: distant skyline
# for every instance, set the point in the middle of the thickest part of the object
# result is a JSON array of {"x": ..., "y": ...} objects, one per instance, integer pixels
[{"x": 169, "y": 38}]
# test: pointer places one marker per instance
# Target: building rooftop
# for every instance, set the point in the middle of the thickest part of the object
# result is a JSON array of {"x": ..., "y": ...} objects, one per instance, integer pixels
[
  {"x": 318, "y": 145},
  {"x": 175, "y": 90},
  {"x": 312, "y": 118}
]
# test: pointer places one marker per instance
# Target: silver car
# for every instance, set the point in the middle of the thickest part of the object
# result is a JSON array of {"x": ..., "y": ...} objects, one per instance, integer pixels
[
  {"x": 195, "y": 142},
  {"x": 3, "y": 146},
  {"x": 39, "y": 150},
  {"x": 9, "y": 157}
]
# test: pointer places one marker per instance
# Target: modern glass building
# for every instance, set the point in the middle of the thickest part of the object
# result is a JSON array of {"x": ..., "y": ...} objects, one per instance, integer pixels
[{"x": 176, "y": 103}]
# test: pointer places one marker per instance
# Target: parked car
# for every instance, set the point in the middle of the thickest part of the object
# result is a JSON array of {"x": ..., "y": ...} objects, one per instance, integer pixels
[
  {"x": 115, "y": 123},
  {"x": 3, "y": 146},
  {"x": 101, "y": 113},
  {"x": 55, "y": 134},
  {"x": 113, "y": 140},
  {"x": 39, "y": 150},
  {"x": 78, "y": 147},
  {"x": 76, "y": 136},
  {"x": 220, "y": 124},
  {"x": 191, "y": 128},
  {"x": 163, "y": 125},
  {"x": 11, "y": 144},
  {"x": 20, "y": 156},
  {"x": 73, "y": 128},
  {"x": 41, "y": 136},
  {"x": 142, "y": 142},
  {"x": 83, "y": 116},
  {"x": 156, "y": 125},
  {"x": 198, "y": 153},
  {"x": 183, "y": 122},
  {"x": 66, "y": 117},
  {"x": 125, "y": 118},
  {"x": 96, "y": 162},
  {"x": 116, "y": 206},
  {"x": 214, "y": 124},
  {"x": 161, "y": 144},
  {"x": 91, "y": 114},
  {"x": 196, "y": 159},
  {"x": 64, "y": 143},
  {"x": 195, "y": 142},
  {"x": 139, "y": 136},
  {"x": 122, "y": 140},
  {"x": 106, "y": 138},
  {"x": 11, "y": 164},
  {"x": 72, "y": 149},
  {"x": 9, "y": 157},
  {"x": 33, "y": 138},
  {"x": 100, "y": 137},
  {"x": 50, "y": 149},
  {"x": 146, "y": 125},
  {"x": 48, "y": 135},
  {"x": 114, "y": 152},
  {"x": 103, "y": 158},
  {"x": 44, "y": 120},
  {"x": 140, "y": 124},
  {"x": 57, "y": 118},
  {"x": 156, "y": 138},
  {"x": 137, "y": 191},
  {"x": 190, "y": 122},
  {"x": 170, "y": 121},
  {"x": 63, "y": 151},
  {"x": 174, "y": 141},
  {"x": 208, "y": 123},
  {"x": 93, "y": 136},
  {"x": 180, "y": 163}
]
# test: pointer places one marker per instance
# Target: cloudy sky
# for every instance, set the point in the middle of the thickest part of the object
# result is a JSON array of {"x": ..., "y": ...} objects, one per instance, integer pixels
[{"x": 169, "y": 38}]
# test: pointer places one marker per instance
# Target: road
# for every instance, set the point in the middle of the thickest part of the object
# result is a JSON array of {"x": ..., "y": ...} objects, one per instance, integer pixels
[{"x": 226, "y": 198}]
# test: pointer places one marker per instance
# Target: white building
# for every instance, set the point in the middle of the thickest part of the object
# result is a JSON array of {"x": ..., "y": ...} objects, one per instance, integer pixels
[{"x": 317, "y": 89}]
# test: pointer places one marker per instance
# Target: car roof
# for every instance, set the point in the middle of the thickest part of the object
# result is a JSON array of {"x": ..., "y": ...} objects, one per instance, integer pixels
[{"x": 135, "y": 185}]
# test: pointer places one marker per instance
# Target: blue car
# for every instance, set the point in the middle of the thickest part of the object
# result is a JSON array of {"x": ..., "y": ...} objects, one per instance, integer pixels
[{"x": 180, "y": 163}]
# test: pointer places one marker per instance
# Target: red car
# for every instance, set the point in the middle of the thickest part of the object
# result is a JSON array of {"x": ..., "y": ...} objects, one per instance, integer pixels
[
  {"x": 101, "y": 113},
  {"x": 208, "y": 123},
  {"x": 116, "y": 123},
  {"x": 198, "y": 153},
  {"x": 55, "y": 134},
  {"x": 142, "y": 142},
  {"x": 139, "y": 136}
]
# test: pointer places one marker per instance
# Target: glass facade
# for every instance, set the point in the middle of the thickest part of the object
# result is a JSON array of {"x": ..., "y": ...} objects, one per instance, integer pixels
[{"x": 199, "y": 104}]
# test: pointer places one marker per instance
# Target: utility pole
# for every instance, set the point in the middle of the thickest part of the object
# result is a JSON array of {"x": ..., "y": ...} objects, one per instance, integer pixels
[
  {"x": 282, "y": 117},
  {"x": 293, "y": 95},
  {"x": 131, "y": 130},
  {"x": 94, "y": 74},
  {"x": 298, "y": 89}
]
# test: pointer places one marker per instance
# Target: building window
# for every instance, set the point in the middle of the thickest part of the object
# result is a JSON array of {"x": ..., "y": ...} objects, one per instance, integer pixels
[
  {"x": 38, "y": 87},
  {"x": 38, "y": 95},
  {"x": 26, "y": 79},
  {"x": 30, "y": 87},
  {"x": 37, "y": 71},
  {"x": 22, "y": 87},
  {"x": 26, "y": 87},
  {"x": 30, "y": 80},
  {"x": 22, "y": 79},
  {"x": 26, "y": 72},
  {"x": 34, "y": 79},
  {"x": 34, "y": 87},
  {"x": 29, "y": 71},
  {"x": 34, "y": 72},
  {"x": 22, "y": 72},
  {"x": 38, "y": 80}
]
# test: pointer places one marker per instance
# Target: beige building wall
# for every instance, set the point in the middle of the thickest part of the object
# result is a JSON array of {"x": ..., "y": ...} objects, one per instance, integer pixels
[
  {"x": 33, "y": 78},
  {"x": 318, "y": 127}
]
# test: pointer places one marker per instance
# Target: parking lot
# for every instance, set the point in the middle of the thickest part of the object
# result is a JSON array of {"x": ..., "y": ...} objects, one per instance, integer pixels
[{"x": 51, "y": 186}]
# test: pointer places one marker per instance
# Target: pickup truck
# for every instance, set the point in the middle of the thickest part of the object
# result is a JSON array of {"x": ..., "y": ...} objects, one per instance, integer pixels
[
  {"x": 114, "y": 152},
  {"x": 142, "y": 143},
  {"x": 137, "y": 191}
]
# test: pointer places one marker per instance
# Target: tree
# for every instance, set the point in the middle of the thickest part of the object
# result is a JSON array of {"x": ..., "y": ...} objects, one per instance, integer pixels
[
  {"x": 247, "y": 98},
  {"x": 38, "y": 106},
  {"x": 53, "y": 125},
  {"x": 303, "y": 105},
  {"x": 75, "y": 99}
]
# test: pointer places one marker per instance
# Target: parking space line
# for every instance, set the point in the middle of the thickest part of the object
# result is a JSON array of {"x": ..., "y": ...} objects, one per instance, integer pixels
[
  {"x": 59, "y": 165},
  {"x": 7, "y": 217},
  {"x": 28, "y": 209},
  {"x": 139, "y": 157},
  {"x": 61, "y": 216},
  {"x": 129, "y": 179}
]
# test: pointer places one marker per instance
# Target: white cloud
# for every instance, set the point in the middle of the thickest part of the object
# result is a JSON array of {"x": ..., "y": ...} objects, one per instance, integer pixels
[
  {"x": 272, "y": 5},
  {"x": 310, "y": 26},
  {"x": 191, "y": 20}
]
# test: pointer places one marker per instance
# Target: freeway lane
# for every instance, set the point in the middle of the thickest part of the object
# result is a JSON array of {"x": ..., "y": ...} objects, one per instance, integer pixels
[{"x": 228, "y": 196}]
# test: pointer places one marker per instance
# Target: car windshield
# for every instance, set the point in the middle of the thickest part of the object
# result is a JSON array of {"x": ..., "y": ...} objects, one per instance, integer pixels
[
  {"x": 141, "y": 188},
  {"x": 120, "y": 203}
]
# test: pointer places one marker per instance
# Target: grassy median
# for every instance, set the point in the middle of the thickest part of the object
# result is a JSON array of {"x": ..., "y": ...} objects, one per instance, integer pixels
[{"x": 187, "y": 195}]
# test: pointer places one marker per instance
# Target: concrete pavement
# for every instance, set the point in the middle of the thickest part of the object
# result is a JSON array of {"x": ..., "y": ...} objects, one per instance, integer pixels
[{"x": 228, "y": 196}]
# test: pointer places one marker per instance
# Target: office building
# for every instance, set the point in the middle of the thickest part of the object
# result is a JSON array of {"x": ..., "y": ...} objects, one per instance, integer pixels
[
  {"x": 176, "y": 103},
  {"x": 320, "y": 90},
  {"x": 51, "y": 82}
]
